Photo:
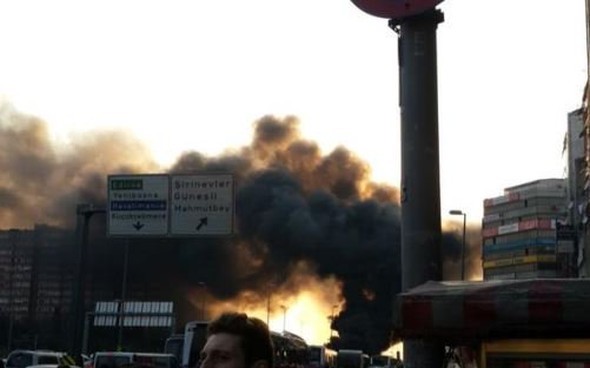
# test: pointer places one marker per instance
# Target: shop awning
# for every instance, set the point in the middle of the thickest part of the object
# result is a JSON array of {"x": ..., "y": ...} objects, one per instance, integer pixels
[{"x": 499, "y": 308}]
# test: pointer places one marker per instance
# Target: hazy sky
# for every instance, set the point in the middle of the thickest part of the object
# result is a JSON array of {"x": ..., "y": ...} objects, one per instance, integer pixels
[{"x": 195, "y": 75}]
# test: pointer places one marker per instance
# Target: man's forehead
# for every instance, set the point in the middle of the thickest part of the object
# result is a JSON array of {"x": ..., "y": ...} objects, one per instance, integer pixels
[{"x": 223, "y": 342}]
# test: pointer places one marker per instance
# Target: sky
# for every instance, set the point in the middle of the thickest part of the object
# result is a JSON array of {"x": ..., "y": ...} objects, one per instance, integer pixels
[{"x": 195, "y": 75}]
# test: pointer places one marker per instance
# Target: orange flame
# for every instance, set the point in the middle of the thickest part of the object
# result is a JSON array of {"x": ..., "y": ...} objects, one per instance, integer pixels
[{"x": 304, "y": 305}]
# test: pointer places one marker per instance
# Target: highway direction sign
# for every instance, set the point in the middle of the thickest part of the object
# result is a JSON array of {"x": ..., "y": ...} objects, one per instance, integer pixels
[
  {"x": 138, "y": 205},
  {"x": 201, "y": 204}
]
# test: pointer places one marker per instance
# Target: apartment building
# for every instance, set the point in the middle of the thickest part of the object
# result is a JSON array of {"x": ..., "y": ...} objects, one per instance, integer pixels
[
  {"x": 525, "y": 232},
  {"x": 35, "y": 272}
]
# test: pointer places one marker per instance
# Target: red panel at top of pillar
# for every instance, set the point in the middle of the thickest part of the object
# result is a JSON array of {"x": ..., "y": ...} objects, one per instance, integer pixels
[{"x": 395, "y": 9}]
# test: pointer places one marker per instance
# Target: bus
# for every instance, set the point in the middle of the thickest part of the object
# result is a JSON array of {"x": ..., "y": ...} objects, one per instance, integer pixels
[
  {"x": 195, "y": 336},
  {"x": 174, "y": 346},
  {"x": 291, "y": 351},
  {"x": 349, "y": 358},
  {"x": 384, "y": 361},
  {"x": 321, "y": 357}
]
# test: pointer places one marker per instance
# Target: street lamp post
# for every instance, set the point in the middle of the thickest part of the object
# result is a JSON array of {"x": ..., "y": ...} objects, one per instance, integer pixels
[
  {"x": 269, "y": 289},
  {"x": 203, "y": 285},
  {"x": 459, "y": 212},
  {"x": 332, "y": 316},
  {"x": 268, "y": 309},
  {"x": 284, "y": 317}
]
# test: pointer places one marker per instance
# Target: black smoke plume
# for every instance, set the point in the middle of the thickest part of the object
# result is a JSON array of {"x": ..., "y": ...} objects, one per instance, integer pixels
[{"x": 294, "y": 204}]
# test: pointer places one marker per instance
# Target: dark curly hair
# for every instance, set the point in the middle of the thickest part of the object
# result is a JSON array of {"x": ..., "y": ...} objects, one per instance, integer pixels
[{"x": 254, "y": 335}]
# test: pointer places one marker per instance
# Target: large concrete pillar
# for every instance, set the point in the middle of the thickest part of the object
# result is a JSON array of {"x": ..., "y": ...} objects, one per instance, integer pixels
[{"x": 420, "y": 183}]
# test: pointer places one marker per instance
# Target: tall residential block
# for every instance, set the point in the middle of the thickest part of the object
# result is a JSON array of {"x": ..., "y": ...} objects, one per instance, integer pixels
[
  {"x": 35, "y": 273},
  {"x": 524, "y": 232}
]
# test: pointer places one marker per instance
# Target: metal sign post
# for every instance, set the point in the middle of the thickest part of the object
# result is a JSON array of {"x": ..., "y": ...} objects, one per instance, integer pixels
[{"x": 84, "y": 212}]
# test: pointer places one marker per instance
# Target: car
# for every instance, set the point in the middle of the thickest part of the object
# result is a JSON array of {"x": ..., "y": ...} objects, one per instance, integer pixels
[
  {"x": 120, "y": 359},
  {"x": 27, "y": 358},
  {"x": 52, "y": 366},
  {"x": 87, "y": 361}
]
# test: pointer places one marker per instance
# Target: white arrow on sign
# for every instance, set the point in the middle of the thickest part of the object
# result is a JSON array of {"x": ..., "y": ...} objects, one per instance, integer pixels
[{"x": 202, "y": 204}]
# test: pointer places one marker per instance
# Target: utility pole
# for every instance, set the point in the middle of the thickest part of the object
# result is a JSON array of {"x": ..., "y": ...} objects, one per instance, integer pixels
[
  {"x": 123, "y": 296},
  {"x": 415, "y": 22},
  {"x": 461, "y": 213},
  {"x": 332, "y": 316},
  {"x": 420, "y": 187},
  {"x": 84, "y": 212},
  {"x": 268, "y": 309}
]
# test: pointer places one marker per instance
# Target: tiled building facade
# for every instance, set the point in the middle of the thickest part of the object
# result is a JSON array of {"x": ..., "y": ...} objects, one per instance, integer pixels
[{"x": 519, "y": 232}]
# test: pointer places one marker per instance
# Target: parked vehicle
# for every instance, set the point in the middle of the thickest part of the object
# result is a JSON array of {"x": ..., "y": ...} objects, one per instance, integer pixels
[
  {"x": 348, "y": 358},
  {"x": 195, "y": 336},
  {"x": 86, "y": 360},
  {"x": 52, "y": 366},
  {"x": 384, "y": 361},
  {"x": 291, "y": 351},
  {"x": 175, "y": 345},
  {"x": 120, "y": 359},
  {"x": 321, "y": 357},
  {"x": 27, "y": 358}
]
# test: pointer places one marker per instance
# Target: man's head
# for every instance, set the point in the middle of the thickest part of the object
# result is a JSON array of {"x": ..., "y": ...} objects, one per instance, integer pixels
[{"x": 235, "y": 340}]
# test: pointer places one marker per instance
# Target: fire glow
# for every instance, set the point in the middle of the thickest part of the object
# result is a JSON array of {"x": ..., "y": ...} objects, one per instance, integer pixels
[{"x": 307, "y": 311}]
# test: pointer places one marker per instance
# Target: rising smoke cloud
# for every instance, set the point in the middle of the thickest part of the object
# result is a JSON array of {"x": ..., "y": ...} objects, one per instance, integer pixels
[
  {"x": 40, "y": 183},
  {"x": 294, "y": 205}
]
